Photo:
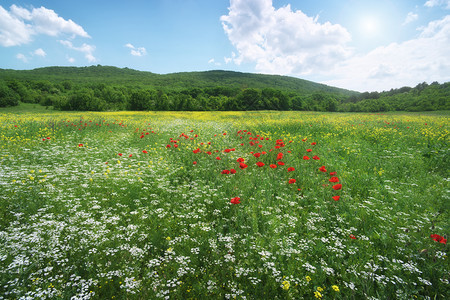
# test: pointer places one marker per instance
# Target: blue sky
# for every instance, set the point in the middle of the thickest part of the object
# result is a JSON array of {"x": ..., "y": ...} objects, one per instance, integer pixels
[{"x": 354, "y": 44}]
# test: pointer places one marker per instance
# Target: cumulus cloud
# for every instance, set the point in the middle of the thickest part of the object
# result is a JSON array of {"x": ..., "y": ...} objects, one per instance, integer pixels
[
  {"x": 39, "y": 52},
  {"x": 281, "y": 40},
  {"x": 433, "y": 3},
  {"x": 86, "y": 49},
  {"x": 399, "y": 64},
  {"x": 410, "y": 17},
  {"x": 140, "y": 51},
  {"x": 19, "y": 25},
  {"x": 22, "y": 57}
]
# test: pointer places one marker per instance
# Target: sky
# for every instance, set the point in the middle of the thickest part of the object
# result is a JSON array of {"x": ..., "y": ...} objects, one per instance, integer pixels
[{"x": 359, "y": 45}]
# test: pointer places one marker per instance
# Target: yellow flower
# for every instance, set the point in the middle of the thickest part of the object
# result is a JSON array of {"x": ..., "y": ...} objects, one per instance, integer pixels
[
  {"x": 286, "y": 285},
  {"x": 318, "y": 295},
  {"x": 308, "y": 278},
  {"x": 335, "y": 288},
  {"x": 320, "y": 289}
]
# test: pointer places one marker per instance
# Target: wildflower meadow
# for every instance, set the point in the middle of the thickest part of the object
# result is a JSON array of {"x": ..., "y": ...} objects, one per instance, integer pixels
[{"x": 224, "y": 205}]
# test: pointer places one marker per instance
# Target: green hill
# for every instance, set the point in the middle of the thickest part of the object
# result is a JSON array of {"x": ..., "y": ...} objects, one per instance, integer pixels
[
  {"x": 173, "y": 81},
  {"x": 111, "y": 88}
]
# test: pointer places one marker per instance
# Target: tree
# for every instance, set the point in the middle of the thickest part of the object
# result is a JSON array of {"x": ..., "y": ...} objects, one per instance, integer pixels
[
  {"x": 140, "y": 100},
  {"x": 7, "y": 96}
]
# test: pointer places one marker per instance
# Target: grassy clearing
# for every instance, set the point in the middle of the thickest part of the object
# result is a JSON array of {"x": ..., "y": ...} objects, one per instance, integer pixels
[{"x": 97, "y": 205}]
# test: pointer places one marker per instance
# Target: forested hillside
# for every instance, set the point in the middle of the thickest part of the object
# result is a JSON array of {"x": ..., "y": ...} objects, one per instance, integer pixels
[{"x": 100, "y": 88}]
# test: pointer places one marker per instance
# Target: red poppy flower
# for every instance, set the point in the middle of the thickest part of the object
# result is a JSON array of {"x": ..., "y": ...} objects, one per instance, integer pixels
[
  {"x": 280, "y": 163},
  {"x": 232, "y": 171},
  {"x": 290, "y": 169},
  {"x": 209, "y": 153},
  {"x": 168, "y": 146},
  {"x": 196, "y": 150},
  {"x": 313, "y": 143},
  {"x": 273, "y": 166},
  {"x": 438, "y": 238},
  {"x": 235, "y": 200},
  {"x": 225, "y": 172},
  {"x": 315, "y": 157},
  {"x": 333, "y": 173},
  {"x": 130, "y": 155},
  {"x": 352, "y": 237},
  {"x": 240, "y": 159},
  {"x": 333, "y": 179},
  {"x": 257, "y": 155},
  {"x": 242, "y": 166},
  {"x": 337, "y": 186},
  {"x": 279, "y": 156},
  {"x": 305, "y": 157},
  {"x": 176, "y": 145},
  {"x": 336, "y": 198},
  {"x": 260, "y": 164},
  {"x": 227, "y": 150},
  {"x": 218, "y": 158},
  {"x": 144, "y": 151},
  {"x": 308, "y": 150},
  {"x": 292, "y": 180},
  {"x": 194, "y": 163},
  {"x": 80, "y": 145},
  {"x": 120, "y": 154},
  {"x": 322, "y": 169}
]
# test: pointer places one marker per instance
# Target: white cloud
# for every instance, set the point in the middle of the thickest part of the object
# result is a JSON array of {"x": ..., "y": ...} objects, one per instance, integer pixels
[
  {"x": 399, "y": 64},
  {"x": 213, "y": 61},
  {"x": 140, "y": 51},
  {"x": 22, "y": 57},
  {"x": 86, "y": 49},
  {"x": 411, "y": 17},
  {"x": 40, "y": 52},
  {"x": 282, "y": 41},
  {"x": 19, "y": 25},
  {"x": 71, "y": 60},
  {"x": 13, "y": 31},
  {"x": 433, "y": 3}
]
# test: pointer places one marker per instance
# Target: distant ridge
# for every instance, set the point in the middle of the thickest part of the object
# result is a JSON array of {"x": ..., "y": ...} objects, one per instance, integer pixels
[{"x": 182, "y": 80}]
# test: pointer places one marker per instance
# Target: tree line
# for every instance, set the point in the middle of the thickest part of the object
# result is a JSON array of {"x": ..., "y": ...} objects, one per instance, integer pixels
[
  {"x": 98, "y": 96},
  {"x": 106, "y": 97}
]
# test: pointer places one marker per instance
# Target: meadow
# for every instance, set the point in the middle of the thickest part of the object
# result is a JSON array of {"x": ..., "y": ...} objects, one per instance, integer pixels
[{"x": 223, "y": 205}]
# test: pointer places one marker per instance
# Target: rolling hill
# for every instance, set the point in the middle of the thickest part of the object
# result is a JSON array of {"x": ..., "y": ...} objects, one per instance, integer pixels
[{"x": 183, "y": 80}]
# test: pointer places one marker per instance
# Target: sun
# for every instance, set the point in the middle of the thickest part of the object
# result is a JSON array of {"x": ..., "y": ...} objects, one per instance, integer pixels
[{"x": 369, "y": 25}]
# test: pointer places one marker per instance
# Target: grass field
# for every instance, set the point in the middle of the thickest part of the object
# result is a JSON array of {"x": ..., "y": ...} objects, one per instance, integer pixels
[{"x": 245, "y": 205}]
